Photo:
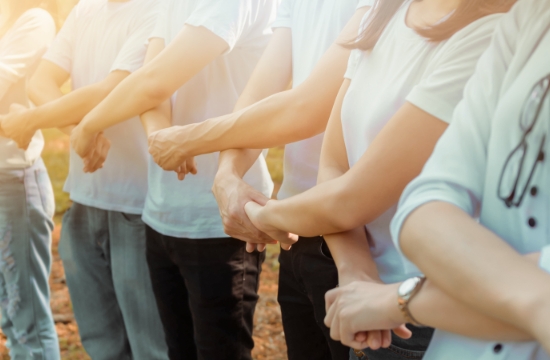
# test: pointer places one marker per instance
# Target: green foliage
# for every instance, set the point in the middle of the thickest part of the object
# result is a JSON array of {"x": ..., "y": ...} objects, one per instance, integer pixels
[{"x": 56, "y": 157}]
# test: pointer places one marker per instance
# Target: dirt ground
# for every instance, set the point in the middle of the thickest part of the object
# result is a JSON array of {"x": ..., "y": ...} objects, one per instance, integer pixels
[{"x": 268, "y": 332}]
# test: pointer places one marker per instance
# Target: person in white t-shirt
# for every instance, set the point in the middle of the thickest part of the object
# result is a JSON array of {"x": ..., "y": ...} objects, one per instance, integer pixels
[
  {"x": 26, "y": 194},
  {"x": 103, "y": 238},
  {"x": 474, "y": 220},
  {"x": 205, "y": 282},
  {"x": 303, "y": 32},
  {"x": 402, "y": 85}
]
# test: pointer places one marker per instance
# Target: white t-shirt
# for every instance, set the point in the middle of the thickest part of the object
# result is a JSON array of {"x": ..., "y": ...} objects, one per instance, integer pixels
[
  {"x": 97, "y": 38},
  {"x": 20, "y": 51},
  {"x": 188, "y": 209},
  {"x": 315, "y": 25},
  {"x": 466, "y": 166},
  {"x": 404, "y": 66}
]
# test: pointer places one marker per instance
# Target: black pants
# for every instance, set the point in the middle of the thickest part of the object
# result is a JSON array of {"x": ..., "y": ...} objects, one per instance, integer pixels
[
  {"x": 307, "y": 272},
  {"x": 206, "y": 293}
]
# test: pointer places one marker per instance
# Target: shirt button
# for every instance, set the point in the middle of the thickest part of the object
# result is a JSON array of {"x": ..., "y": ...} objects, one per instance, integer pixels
[
  {"x": 534, "y": 191},
  {"x": 532, "y": 222},
  {"x": 497, "y": 348}
]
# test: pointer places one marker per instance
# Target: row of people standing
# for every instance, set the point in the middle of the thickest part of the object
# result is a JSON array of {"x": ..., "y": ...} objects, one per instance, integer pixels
[{"x": 134, "y": 240}]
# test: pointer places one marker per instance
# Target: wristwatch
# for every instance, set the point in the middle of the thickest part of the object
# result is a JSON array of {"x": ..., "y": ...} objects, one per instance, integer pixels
[{"x": 406, "y": 291}]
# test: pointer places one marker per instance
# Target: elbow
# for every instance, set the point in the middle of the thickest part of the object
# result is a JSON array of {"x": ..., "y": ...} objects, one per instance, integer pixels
[
  {"x": 344, "y": 215},
  {"x": 316, "y": 118},
  {"x": 153, "y": 86}
]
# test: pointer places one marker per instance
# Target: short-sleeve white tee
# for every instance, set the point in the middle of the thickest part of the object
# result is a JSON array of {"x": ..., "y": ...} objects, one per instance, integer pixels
[
  {"x": 20, "y": 51},
  {"x": 405, "y": 67},
  {"x": 97, "y": 38},
  {"x": 315, "y": 25},
  {"x": 188, "y": 209}
]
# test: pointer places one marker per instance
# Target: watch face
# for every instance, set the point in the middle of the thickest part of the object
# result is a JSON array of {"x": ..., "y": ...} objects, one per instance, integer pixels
[{"x": 408, "y": 286}]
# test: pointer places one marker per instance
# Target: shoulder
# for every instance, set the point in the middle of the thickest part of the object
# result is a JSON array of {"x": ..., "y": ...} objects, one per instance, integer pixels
[{"x": 36, "y": 18}]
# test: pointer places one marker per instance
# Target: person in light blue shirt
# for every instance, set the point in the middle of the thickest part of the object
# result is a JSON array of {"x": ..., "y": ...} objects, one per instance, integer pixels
[{"x": 475, "y": 221}]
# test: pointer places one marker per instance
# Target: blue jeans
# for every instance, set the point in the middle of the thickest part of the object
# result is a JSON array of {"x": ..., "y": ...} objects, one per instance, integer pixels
[
  {"x": 400, "y": 349},
  {"x": 103, "y": 253},
  {"x": 26, "y": 211}
]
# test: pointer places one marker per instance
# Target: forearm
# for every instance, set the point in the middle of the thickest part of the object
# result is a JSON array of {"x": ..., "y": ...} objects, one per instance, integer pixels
[
  {"x": 157, "y": 119},
  {"x": 433, "y": 307},
  {"x": 351, "y": 254},
  {"x": 44, "y": 92},
  {"x": 438, "y": 237},
  {"x": 237, "y": 162},
  {"x": 191, "y": 50},
  {"x": 277, "y": 120},
  {"x": 64, "y": 110}
]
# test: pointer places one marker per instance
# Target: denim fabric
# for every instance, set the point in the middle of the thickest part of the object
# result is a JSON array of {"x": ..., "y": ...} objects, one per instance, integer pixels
[
  {"x": 307, "y": 272},
  {"x": 206, "y": 291},
  {"x": 400, "y": 349},
  {"x": 103, "y": 253},
  {"x": 26, "y": 211}
]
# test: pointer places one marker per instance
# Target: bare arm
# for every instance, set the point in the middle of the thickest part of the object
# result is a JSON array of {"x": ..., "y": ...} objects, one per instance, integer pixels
[
  {"x": 282, "y": 118},
  {"x": 159, "y": 117},
  {"x": 366, "y": 306},
  {"x": 56, "y": 109},
  {"x": 272, "y": 75},
  {"x": 505, "y": 285},
  {"x": 398, "y": 154},
  {"x": 350, "y": 249},
  {"x": 145, "y": 89}
]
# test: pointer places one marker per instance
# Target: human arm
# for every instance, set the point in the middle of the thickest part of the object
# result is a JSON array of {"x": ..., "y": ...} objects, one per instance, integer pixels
[
  {"x": 23, "y": 45},
  {"x": 282, "y": 118},
  {"x": 53, "y": 108},
  {"x": 272, "y": 75},
  {"x": 505, "y": 286},
  {"x": 365, "y": 306},
  {"x": 397, "y": 154},
  {"x": 145, "y": 89}
]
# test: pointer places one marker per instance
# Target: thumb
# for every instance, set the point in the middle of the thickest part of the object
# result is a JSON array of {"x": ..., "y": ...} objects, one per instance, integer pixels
[
  {"x": 258, "y": 197},
  {"x": 403, "y": 332},
  {"x": 251, "y": 208}
]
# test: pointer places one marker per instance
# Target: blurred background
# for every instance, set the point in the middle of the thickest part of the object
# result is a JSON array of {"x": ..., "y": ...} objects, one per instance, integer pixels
[{"x": 268, "y": 332}]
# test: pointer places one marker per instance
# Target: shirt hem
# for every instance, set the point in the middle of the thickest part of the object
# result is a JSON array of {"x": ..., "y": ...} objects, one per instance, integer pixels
[
  {"x": 106, "y": 206},
  {"x": 182, "y": 234}
]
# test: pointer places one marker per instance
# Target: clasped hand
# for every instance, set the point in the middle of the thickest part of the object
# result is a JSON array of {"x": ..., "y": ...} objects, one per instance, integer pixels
[
  {"x": 17, "y": 125},
  {"x": 92, "y": 148},
  {"x": 169, "y": 154},
  {"x": 361, "y": 314},
  {"x": 260, "y": 216}
]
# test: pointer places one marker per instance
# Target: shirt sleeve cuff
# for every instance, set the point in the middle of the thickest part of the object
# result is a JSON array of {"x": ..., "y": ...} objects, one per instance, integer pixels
[
  {"x": 281, "y": 23},
  {"x": 544, "y": 261},
  {"x": 223, "y": 32}
]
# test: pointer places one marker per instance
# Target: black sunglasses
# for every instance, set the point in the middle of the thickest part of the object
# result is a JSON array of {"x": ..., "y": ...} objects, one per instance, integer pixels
[{"x": 513, "y": 196}]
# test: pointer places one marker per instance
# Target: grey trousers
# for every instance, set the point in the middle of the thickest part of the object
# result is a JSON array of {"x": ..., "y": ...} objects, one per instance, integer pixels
[
  {"x": 26, "y": 211},
  {"x": 103, "y": 253}
]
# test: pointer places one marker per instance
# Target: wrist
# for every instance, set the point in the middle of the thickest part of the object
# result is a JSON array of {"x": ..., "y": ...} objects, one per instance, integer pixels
[
  {"x": 393, "y": 311},
  {"x": 32, "y": 120},
  {"x": 351, "y": 272},
  {"x": 195, "y": 137}
]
